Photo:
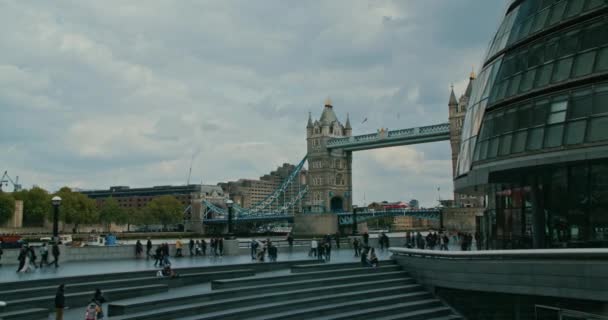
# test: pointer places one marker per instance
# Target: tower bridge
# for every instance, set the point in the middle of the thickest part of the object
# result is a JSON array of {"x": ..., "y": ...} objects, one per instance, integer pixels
[{"x": 330, "y": 145}]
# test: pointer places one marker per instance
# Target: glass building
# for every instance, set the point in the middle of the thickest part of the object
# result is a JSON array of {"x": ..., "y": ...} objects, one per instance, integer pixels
[{"x": 535, "y": 136}]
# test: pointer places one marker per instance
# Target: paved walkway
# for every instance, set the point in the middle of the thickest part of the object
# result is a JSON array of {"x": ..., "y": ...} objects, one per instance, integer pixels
[{"x": 8, "y": 273}]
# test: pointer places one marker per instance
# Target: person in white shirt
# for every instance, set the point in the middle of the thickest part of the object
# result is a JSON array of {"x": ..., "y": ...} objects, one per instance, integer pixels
[{"x": 313, "y": 248}]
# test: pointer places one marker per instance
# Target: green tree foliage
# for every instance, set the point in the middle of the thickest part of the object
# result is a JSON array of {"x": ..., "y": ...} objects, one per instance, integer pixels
[
  {"x": 76, "y": 208},
  {"x": 111, "y": 212},
  {"x": 134, "y": 216},
  {"x": 164, "y": 210},
  {"x": 36, "y": 206},
  {"x": 7, "y": 207}
]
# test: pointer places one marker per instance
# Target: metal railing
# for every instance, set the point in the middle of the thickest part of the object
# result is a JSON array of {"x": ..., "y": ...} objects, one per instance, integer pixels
[
  {"x": 392, "y": 134},
  {"x": 563, "y": 254},
  {"x": 552, "y": 313}
]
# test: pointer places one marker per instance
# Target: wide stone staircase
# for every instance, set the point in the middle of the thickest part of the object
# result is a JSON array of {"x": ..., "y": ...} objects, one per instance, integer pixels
[
  {"x": 309, "y": 291},
  {"x": 34, "y": 299}
]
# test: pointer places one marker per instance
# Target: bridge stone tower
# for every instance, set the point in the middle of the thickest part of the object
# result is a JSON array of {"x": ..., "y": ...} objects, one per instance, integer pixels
[{"x": 329, "y": 172}]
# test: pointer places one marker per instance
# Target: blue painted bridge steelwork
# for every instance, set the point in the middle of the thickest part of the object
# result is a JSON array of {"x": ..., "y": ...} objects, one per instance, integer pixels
[
  {"x": 345, "y": 218},
  {"x": 390, "y": 138}
]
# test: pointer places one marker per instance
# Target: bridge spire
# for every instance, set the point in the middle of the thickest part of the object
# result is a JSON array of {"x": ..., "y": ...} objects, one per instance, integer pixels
[
  {"x": 453, "y": 101},
  {"x": 347, "y": 126},
  {"x": 309, "y": 125}
]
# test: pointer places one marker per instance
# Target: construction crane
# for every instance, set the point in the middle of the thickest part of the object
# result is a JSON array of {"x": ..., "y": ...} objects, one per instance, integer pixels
[{"x": 6, "y": 179}]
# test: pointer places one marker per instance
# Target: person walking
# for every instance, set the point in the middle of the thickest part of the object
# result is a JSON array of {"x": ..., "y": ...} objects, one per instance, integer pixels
[
  {"x": 290, "y": 241},
  {"x": 1, "y": 252},
  {"x": 356, "y": 246},
  {"x": 55, "y": 251},
  {"x": 328, "y": 251},
  {"x": 221, "y": 246},
  {"x": 99, "y": 300},
  {"x": 178, "y": 248},
  {"x": 148, "y": 248},
  {"x": 191, "y": 247},
  {"x": 313, "y": 248},
  {"x": 381, "y": 241},
  {"x": 139, "y": 249},
  {"x": 158, "y": 255},
  {"x": 337, "y": 236},
  {"x": 366, "y": 238},
  {"x": 59, "y": 303},
  {"x": 21, "y": 259},
  {"x": 321, "y": 251},
  {"x": 444, "y": 242},
  {"x": 44, "y": 255},
  {"x": 254, "y": 249},
  {"x": 372, "y": 258},
  {"x": 204, "y": 246}
]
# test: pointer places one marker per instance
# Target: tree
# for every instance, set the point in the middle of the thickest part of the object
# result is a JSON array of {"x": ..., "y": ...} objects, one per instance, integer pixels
[
  {"x": 133, "y": 216},
  {"x": 7, "y": 207},
  {"x": 111, "y": 212},
  {"x": 165, "y": 210},
  {"x": 36, "y": 206},
  {"x": 76, "y": 208}
]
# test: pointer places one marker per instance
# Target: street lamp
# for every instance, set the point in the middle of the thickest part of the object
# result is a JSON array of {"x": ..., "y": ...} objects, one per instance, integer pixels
[
  {"x": 56, "y": 201},
  {"x": 229, "y": 204}
]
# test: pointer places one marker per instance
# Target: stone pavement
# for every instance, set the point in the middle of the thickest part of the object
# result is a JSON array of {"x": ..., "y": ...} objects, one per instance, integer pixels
[{"x": 8, "y": 272}]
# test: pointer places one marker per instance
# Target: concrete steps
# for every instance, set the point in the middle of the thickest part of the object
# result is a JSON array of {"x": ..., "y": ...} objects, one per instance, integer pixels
[
  {"x": 328, "y": 291},
  {"x": 247, "y": 295},
  {"x": 333, "y": 266},
  {"x": 182, "y": 280},
  {"x": 243, "y": 282},
  {"x": 29, "y": 314}
]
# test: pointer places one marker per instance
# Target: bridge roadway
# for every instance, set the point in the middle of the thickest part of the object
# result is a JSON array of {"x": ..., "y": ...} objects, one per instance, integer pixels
[
  {"x": 391, "y": 138},
  {"x": 345, "y": 217}
]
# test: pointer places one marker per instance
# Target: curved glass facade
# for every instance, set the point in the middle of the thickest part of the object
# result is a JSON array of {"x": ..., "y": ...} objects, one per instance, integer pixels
[
  {"x": 537, "y": 127},
  {"x": 540, "y": 45}
]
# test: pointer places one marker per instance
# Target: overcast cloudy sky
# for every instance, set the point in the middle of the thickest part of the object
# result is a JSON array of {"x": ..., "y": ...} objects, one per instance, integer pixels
[{"x": 100, "y": 93}]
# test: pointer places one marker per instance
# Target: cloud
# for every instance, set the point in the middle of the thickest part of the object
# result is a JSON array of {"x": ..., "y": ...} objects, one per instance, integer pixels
[{"x": 94, "y": 94}]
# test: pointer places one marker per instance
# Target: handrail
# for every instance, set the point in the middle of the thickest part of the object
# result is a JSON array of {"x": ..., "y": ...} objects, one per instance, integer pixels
[
  {"x": 565, "y": 254},
  {"x": 571, "y": 314}
]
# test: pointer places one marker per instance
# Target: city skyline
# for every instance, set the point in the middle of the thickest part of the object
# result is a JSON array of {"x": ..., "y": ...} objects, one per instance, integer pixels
[{"x": 100, "y": 95}]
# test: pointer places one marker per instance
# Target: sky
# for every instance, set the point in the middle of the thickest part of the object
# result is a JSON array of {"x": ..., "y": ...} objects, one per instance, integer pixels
[{"x": 101, "y": 93}]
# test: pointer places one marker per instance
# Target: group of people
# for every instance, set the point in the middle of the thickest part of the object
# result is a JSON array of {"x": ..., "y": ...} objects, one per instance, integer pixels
[
  {"x": 442, "y": 240},
  {"x": 93, "y": 311},
  {"x": 28, "y": 259},
  {"x": 261, "y": 249},
  {"x": 322, "y": 249}
]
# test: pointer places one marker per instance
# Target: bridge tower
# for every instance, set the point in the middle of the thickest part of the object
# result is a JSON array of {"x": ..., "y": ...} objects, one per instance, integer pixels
[{"x": 329, "y": 171}]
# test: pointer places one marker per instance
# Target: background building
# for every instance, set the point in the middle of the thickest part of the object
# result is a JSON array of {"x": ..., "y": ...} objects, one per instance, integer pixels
[
  {"x": 247, "y": 192},
  {"x": 535, "y": 135},
  {"x": 139, "y": 197}
]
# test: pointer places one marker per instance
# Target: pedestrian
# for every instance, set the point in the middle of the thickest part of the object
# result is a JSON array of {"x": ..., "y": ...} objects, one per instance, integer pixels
[
  {"x": 254, "y": 249},
  {"x": 363, "y": 255},
  {"x": 221, "y": 246},
  {"x": 356, "y": 246},
  {"x": 419, "y": 240},
  {"x": 273, "y": 253},
  {"x": 92, "y": 311},
  {"x": 478, "y": 240},
  {"x": 313, "y": 248},
  {"x": 56, "y": 253},
  {"x": 166, "y": 254},
  {"x": 444, "y": 242},
  {"x": 381, "y": 240},
  {"x": 328, "y": 251},
  {"x": 158, "y": 256},
  {"x": 44, "y": 255},
  {"x": 372, "y": 258},
  {"x": 191, "y": 247},
  {"x": 178, "y": 248},
  {"x": 337, "y": 240},
  {"x": 139, "y": 249},
  {"x": 290, "y": 241},
  {"x": 21, "y": 259},
  {"x": 321, "y": 251},
  {"x": 32, "y": 255},
  {"x": 197, "y": 248},
  {"x": 212, "y": 246},
  {"x": 204, "y": 246},
  {"x": 1, "y": 252},
  {"x": 366, "y": 238},
  {"x": 59, "y": 303},
  {"x": 148, "y": 248},
  {"x": 99, "y": 300}
]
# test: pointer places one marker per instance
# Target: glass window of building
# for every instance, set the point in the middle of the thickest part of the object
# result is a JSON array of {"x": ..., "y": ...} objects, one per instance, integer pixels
[{"x": 575, "y": 132}]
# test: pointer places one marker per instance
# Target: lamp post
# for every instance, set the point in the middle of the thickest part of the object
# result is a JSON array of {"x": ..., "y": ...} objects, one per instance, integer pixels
[
  {"x": 56, "y": 201},
  {"x": 229, "y": 204}
]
